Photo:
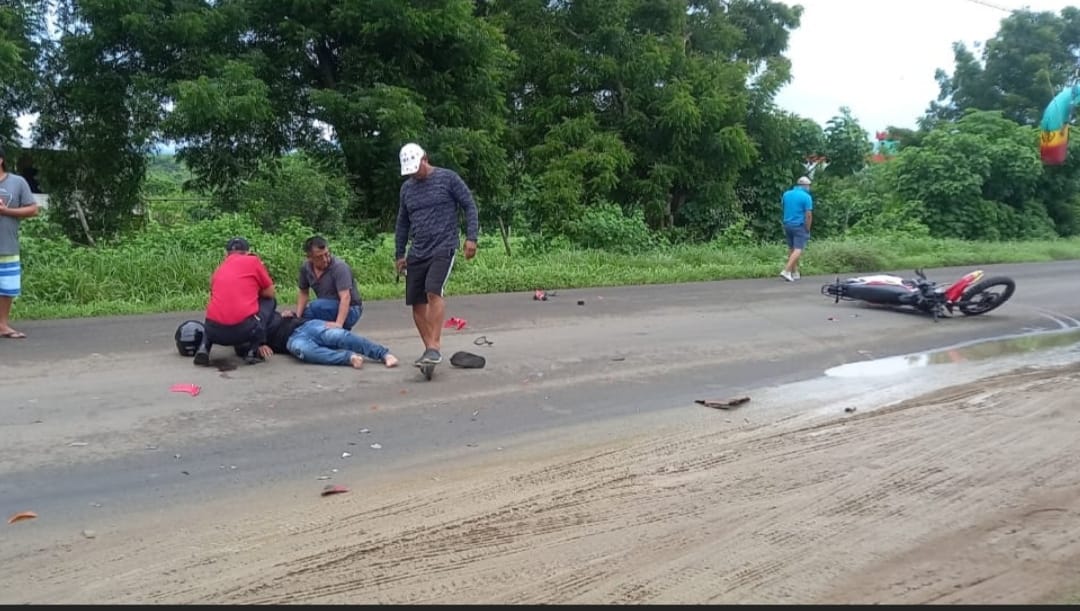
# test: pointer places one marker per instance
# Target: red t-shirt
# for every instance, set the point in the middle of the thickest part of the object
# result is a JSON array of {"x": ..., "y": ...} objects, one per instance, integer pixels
[{"x": 234, "y": 288}]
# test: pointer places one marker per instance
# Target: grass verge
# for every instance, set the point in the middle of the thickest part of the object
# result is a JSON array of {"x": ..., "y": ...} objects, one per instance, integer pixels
[{"x": 167, "y": 269}]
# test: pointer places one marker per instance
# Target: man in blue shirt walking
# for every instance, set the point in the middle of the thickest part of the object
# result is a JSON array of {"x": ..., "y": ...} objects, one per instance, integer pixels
[{"x": 798, "y": 216}]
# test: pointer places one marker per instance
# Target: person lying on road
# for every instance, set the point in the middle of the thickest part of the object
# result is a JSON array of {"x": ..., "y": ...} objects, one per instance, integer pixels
[{"x": 316, "y": 341}]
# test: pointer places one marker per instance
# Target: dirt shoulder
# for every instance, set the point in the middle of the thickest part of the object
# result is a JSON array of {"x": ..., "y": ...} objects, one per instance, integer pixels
[{"x": 970, "y": 494}]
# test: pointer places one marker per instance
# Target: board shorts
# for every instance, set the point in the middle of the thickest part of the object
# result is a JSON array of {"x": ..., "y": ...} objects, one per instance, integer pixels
[
  {"x": 796, "y": 236},
  {"x": 428, "y": 275},
  {"x": 10, "y": 276}
]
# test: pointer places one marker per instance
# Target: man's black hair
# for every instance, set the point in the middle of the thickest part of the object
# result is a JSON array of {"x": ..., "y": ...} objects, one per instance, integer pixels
[{"x": 316, "y": 241}]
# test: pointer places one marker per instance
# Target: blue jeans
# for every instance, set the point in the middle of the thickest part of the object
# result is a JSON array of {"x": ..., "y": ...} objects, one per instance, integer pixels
[
  {"x": 326, "y": 309},
  {"x": 314, "y": 343}
]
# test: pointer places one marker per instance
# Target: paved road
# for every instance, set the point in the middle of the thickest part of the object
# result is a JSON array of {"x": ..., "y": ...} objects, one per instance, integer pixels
[{"x": 89, "y": 429}]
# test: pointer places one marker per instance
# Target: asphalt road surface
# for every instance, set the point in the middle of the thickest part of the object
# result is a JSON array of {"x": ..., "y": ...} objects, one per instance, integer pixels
[{"x": 89, "y": 430}]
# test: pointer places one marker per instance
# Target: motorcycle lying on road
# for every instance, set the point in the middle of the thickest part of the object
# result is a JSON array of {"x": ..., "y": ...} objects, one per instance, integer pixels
[{"x": 971, "y": 294}]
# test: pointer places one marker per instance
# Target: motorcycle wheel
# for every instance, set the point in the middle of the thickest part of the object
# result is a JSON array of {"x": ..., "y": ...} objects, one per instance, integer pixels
[{"x": 979, "y": 299}]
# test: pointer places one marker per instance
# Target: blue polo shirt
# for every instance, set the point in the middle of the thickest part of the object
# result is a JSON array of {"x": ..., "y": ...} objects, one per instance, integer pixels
[{"x": 797, "y": 202}]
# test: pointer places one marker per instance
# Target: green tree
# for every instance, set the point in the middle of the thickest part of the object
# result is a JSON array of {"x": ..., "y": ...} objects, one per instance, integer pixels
[
  {"x": 21, "y": 32},
  {"x": 105, "y": 93},
  {"x": 655, "y": 93},
  {"x": 1031, "y": 58},
  {"x": 847, "y": 144},
  {"x": 376, "y": 74},
  {"x": 978, "y": 179}
]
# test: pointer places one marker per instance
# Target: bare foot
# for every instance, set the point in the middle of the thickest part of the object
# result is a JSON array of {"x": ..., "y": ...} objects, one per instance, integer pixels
[
  {"x": 390, "y": 360},
  {"x": 356, "y": 361}
]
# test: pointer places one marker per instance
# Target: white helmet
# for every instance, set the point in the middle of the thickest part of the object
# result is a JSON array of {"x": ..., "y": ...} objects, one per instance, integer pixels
[{"x": 410, "y": 157}]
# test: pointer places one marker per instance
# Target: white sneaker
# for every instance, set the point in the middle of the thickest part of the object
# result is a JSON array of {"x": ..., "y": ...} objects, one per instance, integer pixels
[
  {"x": 796, "y": 276},
  {"x": 786, "y": 275}
]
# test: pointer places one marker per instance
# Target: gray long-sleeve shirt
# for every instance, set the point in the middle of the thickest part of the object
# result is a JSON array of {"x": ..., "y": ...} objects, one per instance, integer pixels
[{"x": 427, "y": 215}]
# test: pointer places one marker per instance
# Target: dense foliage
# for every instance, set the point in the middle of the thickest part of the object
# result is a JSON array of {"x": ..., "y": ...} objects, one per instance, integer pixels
[{"x": 616, "y": 124}]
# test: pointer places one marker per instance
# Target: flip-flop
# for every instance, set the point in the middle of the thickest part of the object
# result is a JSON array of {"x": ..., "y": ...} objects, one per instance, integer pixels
[{"x": 13, "y": 335}]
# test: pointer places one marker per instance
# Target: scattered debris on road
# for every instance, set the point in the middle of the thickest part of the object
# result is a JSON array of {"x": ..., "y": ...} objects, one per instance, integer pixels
[
  {"x": 333, "y": 489},
  {"x": 22, "y": 515},
  {"x": 723, "y": 403},
  {"x": 849, "y": 410},
  {"x": 376, "y": 446},
  {"x": 467, "y": 360},
  {"x": 455, "y": 323},
  {"x": 191, "y": 389}
]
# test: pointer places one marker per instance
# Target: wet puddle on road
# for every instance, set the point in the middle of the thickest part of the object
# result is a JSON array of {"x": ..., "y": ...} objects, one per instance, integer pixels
[{"x": 979, "y": 350}]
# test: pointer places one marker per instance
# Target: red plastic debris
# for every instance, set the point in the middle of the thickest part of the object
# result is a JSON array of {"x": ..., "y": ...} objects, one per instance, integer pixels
[
  {"x": 330, "y": 489},
  {"x": 539, "y": 296},
  {"x": 191, "y": 389},
  {"x": 454, "y": 322},
  {"x": 22, "y": 515}
]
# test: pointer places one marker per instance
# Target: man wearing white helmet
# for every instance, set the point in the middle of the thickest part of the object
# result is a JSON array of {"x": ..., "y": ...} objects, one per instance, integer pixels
[
  {"x": 427, "y": 220},
  {"x": 798, "y": 216}
]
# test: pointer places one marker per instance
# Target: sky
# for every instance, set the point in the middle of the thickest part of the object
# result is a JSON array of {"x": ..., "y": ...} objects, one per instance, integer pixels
[{"x": 878, "y": 57}]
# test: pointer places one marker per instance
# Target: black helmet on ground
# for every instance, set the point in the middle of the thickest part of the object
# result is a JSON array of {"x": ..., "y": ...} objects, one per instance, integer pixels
[{"x": 189, "y": 336}]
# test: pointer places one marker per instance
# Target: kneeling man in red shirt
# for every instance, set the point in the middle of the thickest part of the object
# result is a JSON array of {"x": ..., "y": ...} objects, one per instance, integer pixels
[{"x": 242, "y": 299}]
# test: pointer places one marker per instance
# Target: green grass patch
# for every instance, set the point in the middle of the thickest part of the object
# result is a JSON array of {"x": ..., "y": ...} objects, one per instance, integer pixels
[{"x": 167, "y": 269}]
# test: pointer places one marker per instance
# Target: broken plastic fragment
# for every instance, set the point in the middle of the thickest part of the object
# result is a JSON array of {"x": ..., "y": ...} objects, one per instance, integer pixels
[
  {"x": 722, "y": 403},
  {"x": 455, "y": 323},
  {"x": 191, "y": 389},
  {"x": 334, "y": 489},
  {"x": 22, "y": 515}
]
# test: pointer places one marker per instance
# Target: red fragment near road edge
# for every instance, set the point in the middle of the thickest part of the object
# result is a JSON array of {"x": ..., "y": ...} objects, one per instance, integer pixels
[
  {"x": 22, "y": 515},
  {"x": 453, "y": 322},
  {"x": 190, "y": 389},
  {"x": 330, "y": 489}
]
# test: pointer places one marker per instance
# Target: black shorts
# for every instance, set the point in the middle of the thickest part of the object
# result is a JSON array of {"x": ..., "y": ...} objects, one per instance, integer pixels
[{"x": 423, "y": 276}]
